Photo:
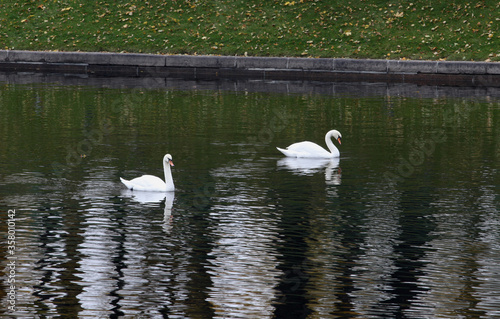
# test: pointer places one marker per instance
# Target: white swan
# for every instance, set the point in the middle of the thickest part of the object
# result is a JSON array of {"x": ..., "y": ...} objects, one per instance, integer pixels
[
  {"x": 152, "y": 183},
  {"x": 313, "y": 150}
]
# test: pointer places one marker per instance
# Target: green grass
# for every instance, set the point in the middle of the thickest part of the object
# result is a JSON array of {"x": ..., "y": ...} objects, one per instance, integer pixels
[{"x": 379, "y": 29}]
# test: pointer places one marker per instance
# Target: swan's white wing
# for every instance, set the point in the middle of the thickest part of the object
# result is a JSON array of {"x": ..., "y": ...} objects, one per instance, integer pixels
[
  {"x": 306, "y": 149},
  {"x": 146, "y": 183}
]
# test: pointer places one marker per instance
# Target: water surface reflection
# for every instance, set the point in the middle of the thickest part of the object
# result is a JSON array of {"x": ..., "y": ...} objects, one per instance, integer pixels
[
  {"x": 249, "y": 233},
  {"x": 310, "y": 166}
]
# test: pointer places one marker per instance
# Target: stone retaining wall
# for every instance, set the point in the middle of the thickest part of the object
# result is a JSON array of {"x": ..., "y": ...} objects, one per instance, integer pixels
[{"x": 261, "y": 68}]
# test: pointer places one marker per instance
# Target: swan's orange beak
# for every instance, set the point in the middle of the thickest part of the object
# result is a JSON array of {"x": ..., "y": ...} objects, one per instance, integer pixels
[
  {"x": 339, "y": 140},
  {"x": 171, "y": 163}
]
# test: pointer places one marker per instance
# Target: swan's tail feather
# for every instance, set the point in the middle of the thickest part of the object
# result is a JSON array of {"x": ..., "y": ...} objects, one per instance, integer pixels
[
  {"x": 281, "y": 150},
  {"x": 287, "y": 152},
  {"x": 126, "y": 183}
]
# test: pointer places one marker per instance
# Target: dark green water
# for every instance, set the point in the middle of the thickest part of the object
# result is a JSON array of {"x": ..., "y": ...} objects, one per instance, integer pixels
[{"x": 404, "y": 225}]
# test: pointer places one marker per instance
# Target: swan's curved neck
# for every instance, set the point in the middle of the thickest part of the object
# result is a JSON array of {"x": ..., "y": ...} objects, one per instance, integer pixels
[
  {"x": 329, "y": 143},
  {"x": 168, "y": 175}
]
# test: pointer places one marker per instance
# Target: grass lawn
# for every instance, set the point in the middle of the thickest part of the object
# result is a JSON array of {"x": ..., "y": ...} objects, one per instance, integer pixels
[{"x": 430, "y": 30}]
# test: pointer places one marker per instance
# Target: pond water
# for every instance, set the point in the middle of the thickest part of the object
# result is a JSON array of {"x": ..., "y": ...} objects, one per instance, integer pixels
[{"x": 405, "y": 224}]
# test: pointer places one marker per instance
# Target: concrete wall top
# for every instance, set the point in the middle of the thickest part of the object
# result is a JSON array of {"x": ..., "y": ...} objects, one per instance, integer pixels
[
  {"x": 200, "y": 61},
  {"x": 275, "y": 63},
  {"x": 411, "y": 66},
  {"x": 262, "y": 63},
  {"x": 493, "y": 68},
  {"x": 82, "y": 57},
  {"x": 311, "y": 64}
]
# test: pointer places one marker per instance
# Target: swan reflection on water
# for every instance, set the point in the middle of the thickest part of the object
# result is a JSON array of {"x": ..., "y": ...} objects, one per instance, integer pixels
[
  {"x": 149, "y": 198},
  {"x": 310, "y": 166}
]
